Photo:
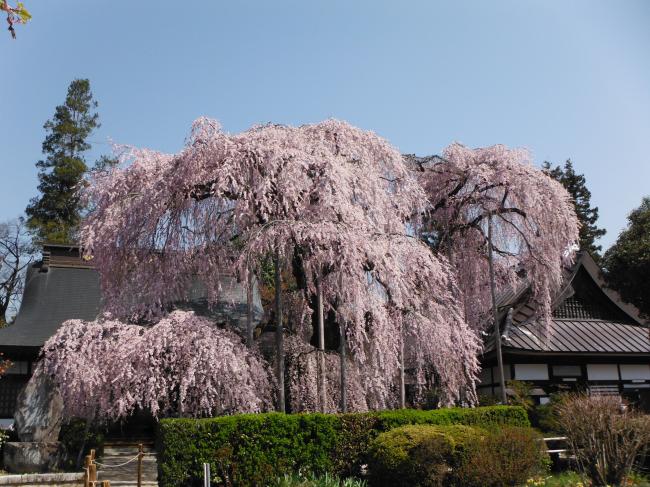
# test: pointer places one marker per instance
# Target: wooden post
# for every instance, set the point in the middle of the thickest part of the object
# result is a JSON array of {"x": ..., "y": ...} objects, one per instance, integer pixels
[
  {"x": 106, "y": 483},
  {"x": 92, "y": 455},
  {"x": 86, "y": 477},
  {"x": 402, "y": 381},
  {"x": 87, "y": 461},
  {"x": 279, "y": 332},
  {"x": 249, "y": 310},
  {"x": 342, "y": 356},
  {"x": 495, "y": 315},
  {"x": 321, "y": 346},
  {"x": 344, "y": 372},
  {"x": 140, "y": 456},
  {"x": 92, "y": 472}
]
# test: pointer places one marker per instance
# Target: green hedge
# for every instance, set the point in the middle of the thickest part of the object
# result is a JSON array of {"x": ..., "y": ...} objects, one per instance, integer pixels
[{"x": 251, "y": 449}]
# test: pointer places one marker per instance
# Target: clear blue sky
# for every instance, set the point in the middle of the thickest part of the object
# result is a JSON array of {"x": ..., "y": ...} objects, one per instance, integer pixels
[{"x": 562, "y": 78}]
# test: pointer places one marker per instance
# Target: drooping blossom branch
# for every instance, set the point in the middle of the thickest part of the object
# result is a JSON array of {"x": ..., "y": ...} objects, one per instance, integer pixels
[
  {"x": 535, "y": 229},
  {"x": 333, "y": 200},
  {"x": 183, "y": 365}
]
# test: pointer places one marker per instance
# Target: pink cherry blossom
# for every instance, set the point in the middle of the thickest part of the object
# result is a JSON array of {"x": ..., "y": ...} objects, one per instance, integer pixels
[
  {"x": 534, "y": 226},
  {"x": 183, "y": 365}
]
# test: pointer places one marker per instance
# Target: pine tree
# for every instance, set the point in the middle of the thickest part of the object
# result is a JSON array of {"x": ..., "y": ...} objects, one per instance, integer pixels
[
  {"x": 576, "y": 185},
  {"x": 54, "y": 215},
  {"x": 627, "y": 262}
]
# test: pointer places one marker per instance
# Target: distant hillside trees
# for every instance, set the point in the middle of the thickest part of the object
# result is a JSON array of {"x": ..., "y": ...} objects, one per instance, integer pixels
[
  {"x": 627, "y": 262},
  {"x": 576, "y": 185}
]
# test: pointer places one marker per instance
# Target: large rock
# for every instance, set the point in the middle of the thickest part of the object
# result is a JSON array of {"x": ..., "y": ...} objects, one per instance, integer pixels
[
  {"x": 30, "y": 457},
  {"x": 39, "y": 410}
]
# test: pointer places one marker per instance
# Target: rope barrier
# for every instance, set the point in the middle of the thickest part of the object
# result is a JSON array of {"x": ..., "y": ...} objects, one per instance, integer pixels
[
  {"x": 125, "y": 463},
  {"x": 119, "y": 465}
]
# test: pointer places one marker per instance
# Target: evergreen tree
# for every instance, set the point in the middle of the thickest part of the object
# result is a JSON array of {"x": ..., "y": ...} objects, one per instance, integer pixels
[
  {"x": 627, "y": 262},
  {"x": 54, "y": 215},
  {"x": 576, "y": 185}
]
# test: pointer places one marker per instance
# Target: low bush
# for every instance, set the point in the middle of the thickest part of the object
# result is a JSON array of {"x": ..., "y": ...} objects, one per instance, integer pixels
[
  {"x": 607, "y": 439},
  {"x": 433, "y": 456},
  {"x": 418, "y": 455},
  {"x": 507, "y": 456},
  {"x": 253, "y": 449}
]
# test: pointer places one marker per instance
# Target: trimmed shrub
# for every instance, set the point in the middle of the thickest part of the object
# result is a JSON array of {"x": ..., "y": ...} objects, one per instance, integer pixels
[
  {"x": 418, "y": 455},
  {"x": 464, "y": 456},
  {"x": 253, "y": 449},
  {"x": 245, "y": 449},
  {"x": 482, "y": 417},
  {"x": 505, "y": 456},
  {"x": 354, "y": 437}
]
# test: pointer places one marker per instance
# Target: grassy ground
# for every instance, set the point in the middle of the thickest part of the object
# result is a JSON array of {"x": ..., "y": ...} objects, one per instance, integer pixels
[{"x": 572, "y": 479}]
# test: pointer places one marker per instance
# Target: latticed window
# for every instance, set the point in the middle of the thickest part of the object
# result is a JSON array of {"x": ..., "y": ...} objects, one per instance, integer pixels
[
  {"x": 10, "y": 387},
  {"x": 576, "y": 308}
]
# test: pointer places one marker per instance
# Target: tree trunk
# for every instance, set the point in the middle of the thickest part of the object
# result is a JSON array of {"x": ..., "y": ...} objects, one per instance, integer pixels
[
  {"x": 279, "y": 333},
  {"x": 250, "y": 338},
  {"x": 495, "y": 314},
  {"x": 402, "y": 384},
  {"x": 344, "y": 373},
  {"x": 321, "y": 346}
]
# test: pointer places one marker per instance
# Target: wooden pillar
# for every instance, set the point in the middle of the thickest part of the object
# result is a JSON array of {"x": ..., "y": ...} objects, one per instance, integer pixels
[
  {"x": 402, "y": 380},
  {"x": 140, "y": 457},
  {"x": 344, "y": 371},
  {"x": 495, "y": 315},
  {"x": 279, "y": 332},
  {"x": 250, "y": 339},
  {"x": 321, "y": 346}
]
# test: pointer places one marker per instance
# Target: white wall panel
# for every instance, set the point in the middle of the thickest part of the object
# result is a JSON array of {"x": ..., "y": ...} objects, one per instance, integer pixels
[
  {"x": 531, "y": 371},
  {"x": 635, "y": 371},
  {"x": 602, "y": 372}
]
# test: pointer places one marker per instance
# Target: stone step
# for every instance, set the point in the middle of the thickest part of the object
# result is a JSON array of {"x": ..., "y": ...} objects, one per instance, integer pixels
[
  {"x": 123, "y": 458},
  {"x": 126, "y": 475},
  {"x": 126, "y": 450},
  {"x": 123, "y": 483}
]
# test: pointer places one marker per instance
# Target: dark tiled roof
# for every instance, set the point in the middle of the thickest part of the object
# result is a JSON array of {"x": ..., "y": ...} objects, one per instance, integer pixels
[
  {"x": 50, "y": 298},
  {"x": 587, "y": 318},
  {"x": 581, "y": 336},
  {"x": 63, "y": 286}
]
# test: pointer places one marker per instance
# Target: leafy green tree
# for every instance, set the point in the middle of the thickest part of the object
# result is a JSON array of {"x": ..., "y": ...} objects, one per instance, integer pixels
[
  {"x": 54, "y": 215},
  {"x": 576, "y": 185},
  {"x": 627, "y": 262},
  {"x": 105, "y": 163}
]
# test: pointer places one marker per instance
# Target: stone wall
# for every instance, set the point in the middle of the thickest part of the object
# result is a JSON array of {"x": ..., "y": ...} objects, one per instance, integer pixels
[{"x": 40, "y": 479}]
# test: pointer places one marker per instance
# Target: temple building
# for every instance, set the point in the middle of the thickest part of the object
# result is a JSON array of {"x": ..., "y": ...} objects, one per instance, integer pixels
[
  {"x": 63, "y": 286},
  {"x": 594, "y": 342}
]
